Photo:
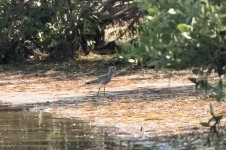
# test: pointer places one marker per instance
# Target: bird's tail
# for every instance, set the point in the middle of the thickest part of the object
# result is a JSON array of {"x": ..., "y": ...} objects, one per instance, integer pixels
[{"x": 90, "y": 82}]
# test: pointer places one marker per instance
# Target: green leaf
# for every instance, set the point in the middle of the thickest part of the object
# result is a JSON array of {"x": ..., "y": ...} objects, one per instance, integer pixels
[
  {"x": 220, "y": 95},
  {"x": 193, "y": 80},
  {"x": 211, "y": 110},
  {"x": 197, "y": 71},
  {"x": 104, "y": 17},
  {"x": 153, "y": 63},
  {"x": 184, "y": 27},
  {"x": 222, "y": 15},
  {"x": 204, "y": 124},
  {"x": 220, "y": 90},
  {"x": 220, "y": 84},
  {"x": 152, "y": 10},
  {"x": 212, "y": 121}
]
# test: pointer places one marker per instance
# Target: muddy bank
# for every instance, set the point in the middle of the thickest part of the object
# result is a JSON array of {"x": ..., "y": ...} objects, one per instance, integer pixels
[{"x": 143, "y": 106}]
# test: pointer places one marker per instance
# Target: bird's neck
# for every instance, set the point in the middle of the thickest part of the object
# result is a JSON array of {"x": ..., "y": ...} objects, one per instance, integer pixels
[{"x": 110, "y": 73}]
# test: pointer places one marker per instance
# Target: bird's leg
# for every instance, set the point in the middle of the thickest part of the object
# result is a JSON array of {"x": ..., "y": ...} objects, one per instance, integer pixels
[
  {"x": 104, "y": 90},
  {"x": 99, "y": 90}
]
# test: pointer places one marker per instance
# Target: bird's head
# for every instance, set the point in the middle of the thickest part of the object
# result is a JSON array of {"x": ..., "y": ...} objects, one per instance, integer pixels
[{"x": 112, "y": 69}]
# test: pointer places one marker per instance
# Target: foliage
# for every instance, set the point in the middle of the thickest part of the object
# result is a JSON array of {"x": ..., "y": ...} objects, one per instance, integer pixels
[
  {"x": 51, "y": 25},
  {"x": 202, "y": 83},
  {"x": 182, "y": 34},
  {"x": 31, "y": 20},
  {"x": 214, "y": 127}
]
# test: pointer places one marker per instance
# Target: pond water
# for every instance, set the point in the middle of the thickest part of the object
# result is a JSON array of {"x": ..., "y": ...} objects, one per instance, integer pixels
[
  {"x": 39, "y": 130},
  {"x": 23, "y": 129}
]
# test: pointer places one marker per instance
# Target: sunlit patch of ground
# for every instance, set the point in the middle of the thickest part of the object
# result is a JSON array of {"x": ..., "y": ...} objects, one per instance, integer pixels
[
  {"x": 147, "y": 118},
  {"x": 144, "y": 104}
]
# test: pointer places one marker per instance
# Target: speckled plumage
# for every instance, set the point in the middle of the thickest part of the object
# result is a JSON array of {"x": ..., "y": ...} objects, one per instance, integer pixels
[{"x": 104, "y": 79}]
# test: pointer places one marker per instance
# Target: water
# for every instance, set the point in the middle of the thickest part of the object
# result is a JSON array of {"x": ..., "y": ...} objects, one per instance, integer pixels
[
  {"x": 40, "y": 130},
  {"x": 22, "y": 129}
]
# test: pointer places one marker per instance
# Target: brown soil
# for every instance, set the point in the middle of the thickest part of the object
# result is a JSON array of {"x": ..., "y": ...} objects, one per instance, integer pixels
[{"x": 141, "y": 103}]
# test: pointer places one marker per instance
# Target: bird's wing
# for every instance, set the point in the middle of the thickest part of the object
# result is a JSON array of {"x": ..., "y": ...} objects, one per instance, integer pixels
[{"x": 98, "y": 80}]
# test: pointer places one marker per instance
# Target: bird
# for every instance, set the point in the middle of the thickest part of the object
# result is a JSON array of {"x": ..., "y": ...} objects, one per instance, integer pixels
[{"x": 103, "y": 79}]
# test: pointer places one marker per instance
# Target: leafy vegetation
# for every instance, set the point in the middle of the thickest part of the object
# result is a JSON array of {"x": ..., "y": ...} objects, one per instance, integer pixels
[
  {"x": 214, "y": 126},
  {"x": 183, "y": 34},
  {"x": 203, "y": 83},
  {"x": 58, "y": 28},
  {"x": 173, "y": 34}
]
